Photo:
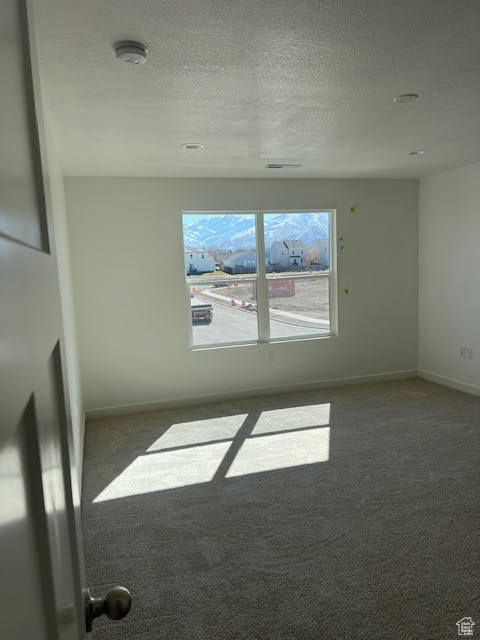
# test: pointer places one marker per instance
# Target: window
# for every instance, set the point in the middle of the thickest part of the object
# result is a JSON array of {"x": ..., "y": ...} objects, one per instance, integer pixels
[{"x": 259, "y": 276}]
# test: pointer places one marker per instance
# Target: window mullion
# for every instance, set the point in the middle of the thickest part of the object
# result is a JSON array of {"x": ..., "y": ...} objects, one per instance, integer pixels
[
  {"x": 262, "y": 287},
  {"x": 332, "y": 278}
]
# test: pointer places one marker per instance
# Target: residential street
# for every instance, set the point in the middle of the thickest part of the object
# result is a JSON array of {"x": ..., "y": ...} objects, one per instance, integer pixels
[{"x": 233, "y": 325}]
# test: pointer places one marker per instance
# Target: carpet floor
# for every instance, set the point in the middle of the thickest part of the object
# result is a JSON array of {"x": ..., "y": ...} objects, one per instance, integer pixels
[{"x": 347, "y": 513}]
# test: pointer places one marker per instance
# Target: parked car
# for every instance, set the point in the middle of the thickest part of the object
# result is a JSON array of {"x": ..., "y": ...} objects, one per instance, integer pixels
[{"x": 201, "y": 311}]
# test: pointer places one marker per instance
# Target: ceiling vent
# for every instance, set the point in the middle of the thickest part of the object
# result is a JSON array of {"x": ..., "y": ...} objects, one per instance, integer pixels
[
  {"x": 273, "y": 165},
  {"x": 406, "y": 97},
  {"x": 192, "y": 146}
]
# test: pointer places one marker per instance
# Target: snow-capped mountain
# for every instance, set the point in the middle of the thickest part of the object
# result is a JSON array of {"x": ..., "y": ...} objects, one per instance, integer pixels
[
  {"x": 227, "y": 232},
  {"x": 307, "y": 227},
  {"x": 238, "y": 231}
]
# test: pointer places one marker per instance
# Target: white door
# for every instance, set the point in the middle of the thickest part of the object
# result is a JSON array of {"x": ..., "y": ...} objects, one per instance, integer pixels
[{"x": 41, "y": 564}]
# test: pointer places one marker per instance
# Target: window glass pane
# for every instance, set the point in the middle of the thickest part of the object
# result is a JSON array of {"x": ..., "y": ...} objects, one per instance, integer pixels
[
  {"x": 219, "y": 245},
  {"x": 223, "y": 313},
  {"x": 297, "y": 242},
  {"x": 299, "y": 307}
]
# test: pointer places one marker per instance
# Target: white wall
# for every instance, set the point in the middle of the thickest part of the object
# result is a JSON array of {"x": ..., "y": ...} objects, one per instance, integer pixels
[
  {"x": 62, "y": 247},
  {"x": 449, "y": 248},
  {"x": 132, "y": 309}
]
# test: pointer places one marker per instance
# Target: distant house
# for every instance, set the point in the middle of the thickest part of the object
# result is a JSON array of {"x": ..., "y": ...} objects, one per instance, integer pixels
[
  {"x": 241, "y": 262},
  {"x": 288, "y": 254},
  {"x": 198, "y": 261}
]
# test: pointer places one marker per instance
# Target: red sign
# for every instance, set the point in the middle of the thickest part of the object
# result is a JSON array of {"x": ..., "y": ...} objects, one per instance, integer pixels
[
  {"x": 281, "y": 288},
  {"x": 278, "y": 288}
]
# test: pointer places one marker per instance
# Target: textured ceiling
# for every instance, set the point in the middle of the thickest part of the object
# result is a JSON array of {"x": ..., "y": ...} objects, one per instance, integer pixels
[{"x": 260, "y": 81}]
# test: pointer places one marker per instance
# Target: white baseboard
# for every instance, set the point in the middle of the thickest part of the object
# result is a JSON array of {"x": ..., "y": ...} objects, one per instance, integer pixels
[
  {"x": 449, "y": 382},
  {"x": 245, "y": 393}
]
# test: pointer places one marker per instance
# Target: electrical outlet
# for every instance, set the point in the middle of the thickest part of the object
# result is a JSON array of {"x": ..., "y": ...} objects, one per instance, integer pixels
[
  {"x": 271, "y": 356},
  {"x": 466, "y": 352}
]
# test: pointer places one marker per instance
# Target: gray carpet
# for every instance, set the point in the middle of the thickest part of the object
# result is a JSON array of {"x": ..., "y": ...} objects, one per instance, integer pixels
[{"x": 363, "y": 524}]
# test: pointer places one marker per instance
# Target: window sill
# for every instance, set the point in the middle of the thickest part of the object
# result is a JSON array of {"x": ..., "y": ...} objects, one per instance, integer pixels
[{"x": 257, "y": 343}]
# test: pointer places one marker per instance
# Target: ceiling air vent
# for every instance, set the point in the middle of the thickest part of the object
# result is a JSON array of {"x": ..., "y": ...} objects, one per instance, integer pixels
[{"x": 273, "y": 165}]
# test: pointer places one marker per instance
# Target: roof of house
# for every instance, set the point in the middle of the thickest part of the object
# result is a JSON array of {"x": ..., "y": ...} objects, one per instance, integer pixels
[
  {"x": 289, "y": 244},
  {"x": 240, "y": 254}
]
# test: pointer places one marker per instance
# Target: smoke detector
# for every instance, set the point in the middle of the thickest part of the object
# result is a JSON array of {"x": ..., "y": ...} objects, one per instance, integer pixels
[{"x": 131, "y": 52}]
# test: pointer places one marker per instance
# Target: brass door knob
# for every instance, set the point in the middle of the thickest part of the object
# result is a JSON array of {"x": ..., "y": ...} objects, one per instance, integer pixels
[{"x": 115, "y": 605}]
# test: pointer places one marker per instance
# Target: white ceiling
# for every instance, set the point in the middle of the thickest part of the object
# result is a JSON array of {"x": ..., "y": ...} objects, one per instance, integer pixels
[{"x": 259, "y": 81}]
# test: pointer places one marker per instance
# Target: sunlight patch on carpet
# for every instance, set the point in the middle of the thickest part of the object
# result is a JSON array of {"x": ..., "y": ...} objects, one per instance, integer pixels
[
  {"x": 166, "y": 470},
  {"x": 280, "y": 451},
  {"x": 197, "y": 431}
]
